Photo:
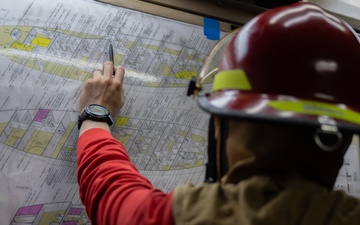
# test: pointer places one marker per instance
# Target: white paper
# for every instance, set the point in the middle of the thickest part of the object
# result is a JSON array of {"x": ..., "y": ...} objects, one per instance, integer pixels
[{"x": 349, "y": 175}]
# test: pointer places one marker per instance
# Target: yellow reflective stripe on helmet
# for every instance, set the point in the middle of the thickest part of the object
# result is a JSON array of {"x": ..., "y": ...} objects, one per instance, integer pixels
[
  {"x": 317, "y": 108},
  {"x": 231, "y": 79}
]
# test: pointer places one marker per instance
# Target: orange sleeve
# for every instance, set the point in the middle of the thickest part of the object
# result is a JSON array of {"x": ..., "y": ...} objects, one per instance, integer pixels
[{"x": 112, "y": 189}]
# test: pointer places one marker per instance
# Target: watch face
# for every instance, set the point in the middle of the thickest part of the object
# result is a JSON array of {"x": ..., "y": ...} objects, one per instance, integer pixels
[{"x": 98, "y": 110}]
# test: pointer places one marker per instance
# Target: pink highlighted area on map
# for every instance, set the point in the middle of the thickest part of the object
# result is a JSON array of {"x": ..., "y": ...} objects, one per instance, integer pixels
[
  {"x": 29, "y": 210},
  {"x": 41, "y": 115}
]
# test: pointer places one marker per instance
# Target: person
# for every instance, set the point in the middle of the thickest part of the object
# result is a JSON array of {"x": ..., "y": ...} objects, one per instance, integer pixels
[{"x": 283, "y": 109}]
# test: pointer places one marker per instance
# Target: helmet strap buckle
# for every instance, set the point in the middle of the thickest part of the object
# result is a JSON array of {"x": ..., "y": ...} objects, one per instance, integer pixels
[{"x": 328, "y": 129}]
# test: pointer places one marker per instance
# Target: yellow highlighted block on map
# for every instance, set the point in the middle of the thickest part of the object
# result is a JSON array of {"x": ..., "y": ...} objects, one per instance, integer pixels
[
  {"x": 124, "y": 139},
  {"x": 51, "y": 217},
  {"x": 83, "y": 60},
  {"x": 199, "y": 162},
  {"x": 190, "y": 57},
  {"x": 153, "y": 84},
  {"x": 171, "y": 51},
  {"x": 15, "y": 59},
  {"x": 63, "y": 139},
  {"x": 121, "y": 121},
  {"x": 197, "y": 138},
  {"x": 168, "y": 147},
  {"x": 165, "y": 69},
  {"x": 23, "y": 47},
  {"x": 32, "y": 63},
  {"x": 130, "y": 44},
  {"x": 82, "y": 34},
  {"x": 186, "y": 74},
  {"x": 188, "y": 166},
  {"x": 41, "y": 41},
  {"x": 152, "y": 47},
  {"x": 67, "y": 71},
  {"x": 38, "y": 142},
  {"x": 118, "y": 58},
  {"x": 166, "y": 167},
  {"x": 2, "y": 127},
  {"x": 15, "y": 135}
]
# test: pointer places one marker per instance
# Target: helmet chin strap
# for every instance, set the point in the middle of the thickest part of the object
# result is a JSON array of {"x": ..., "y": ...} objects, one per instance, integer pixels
[
  {"x": 224, "y": 132},
  {"x": 213, "y": 173}
]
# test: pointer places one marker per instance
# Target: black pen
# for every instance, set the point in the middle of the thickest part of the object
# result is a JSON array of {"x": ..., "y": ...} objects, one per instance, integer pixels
[{"x": 111, "y": 56}]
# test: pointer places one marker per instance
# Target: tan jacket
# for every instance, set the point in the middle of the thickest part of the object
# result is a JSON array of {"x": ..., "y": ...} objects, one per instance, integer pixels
[{"x": 263, "y": 201}]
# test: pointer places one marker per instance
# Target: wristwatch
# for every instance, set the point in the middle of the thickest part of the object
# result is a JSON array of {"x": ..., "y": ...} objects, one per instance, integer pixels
[{"x": 95, "y": 112}]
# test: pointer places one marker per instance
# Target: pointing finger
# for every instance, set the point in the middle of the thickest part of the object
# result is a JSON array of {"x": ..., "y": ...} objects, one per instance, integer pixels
[
  {"x": 108, "y": 69},
  {"x": 97, "y": 74},
  {"x": 119, "y": 73}
]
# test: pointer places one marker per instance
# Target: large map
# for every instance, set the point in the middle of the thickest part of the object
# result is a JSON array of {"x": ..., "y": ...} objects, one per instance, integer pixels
[{"x": 47, "y": 50}]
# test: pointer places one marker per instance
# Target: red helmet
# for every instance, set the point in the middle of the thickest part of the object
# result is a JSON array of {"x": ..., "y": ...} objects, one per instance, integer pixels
[{"x": 293, "y": 64}]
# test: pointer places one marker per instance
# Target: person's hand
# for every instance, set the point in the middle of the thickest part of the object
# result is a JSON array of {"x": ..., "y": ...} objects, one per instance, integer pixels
[{"x": 104, "y": 89}]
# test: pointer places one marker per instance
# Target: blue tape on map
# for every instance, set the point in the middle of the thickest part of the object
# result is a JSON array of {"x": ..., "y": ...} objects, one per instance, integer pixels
[{"x": 211, "y": 29}]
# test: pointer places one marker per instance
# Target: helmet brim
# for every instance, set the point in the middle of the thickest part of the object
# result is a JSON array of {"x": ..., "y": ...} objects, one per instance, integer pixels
[{"x": 287, "y": 110}]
